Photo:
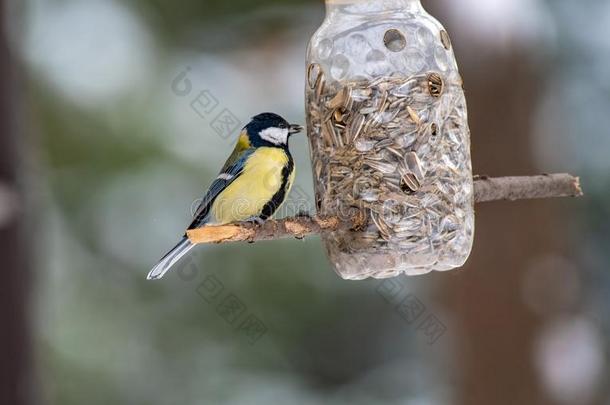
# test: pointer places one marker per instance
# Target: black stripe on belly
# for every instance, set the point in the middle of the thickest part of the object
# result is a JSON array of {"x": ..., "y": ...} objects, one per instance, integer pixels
[{"x": 278, "y": 198}]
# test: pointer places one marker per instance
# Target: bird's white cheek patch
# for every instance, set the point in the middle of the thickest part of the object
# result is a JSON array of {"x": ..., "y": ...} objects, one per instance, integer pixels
[{"x": 278, "y": 136}]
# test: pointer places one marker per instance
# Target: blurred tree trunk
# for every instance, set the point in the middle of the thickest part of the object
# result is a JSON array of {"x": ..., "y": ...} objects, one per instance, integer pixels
[
  {"x": 497, "y": 331},
  {"x": 14, "y": 337}
]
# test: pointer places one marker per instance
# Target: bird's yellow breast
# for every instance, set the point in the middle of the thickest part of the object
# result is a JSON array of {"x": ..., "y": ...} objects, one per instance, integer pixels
[{"x": 246, "y": 196}]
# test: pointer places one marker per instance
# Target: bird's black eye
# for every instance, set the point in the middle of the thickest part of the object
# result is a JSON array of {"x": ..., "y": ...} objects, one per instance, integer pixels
[{"x": 282, "y": 125}]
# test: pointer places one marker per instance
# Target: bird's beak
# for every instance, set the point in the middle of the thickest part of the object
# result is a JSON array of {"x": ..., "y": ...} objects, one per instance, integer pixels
[{"x": 294, "y": 129}]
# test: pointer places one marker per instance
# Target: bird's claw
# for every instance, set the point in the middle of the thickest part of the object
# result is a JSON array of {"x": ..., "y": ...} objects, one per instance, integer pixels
[{"x": 255, "y": 220}]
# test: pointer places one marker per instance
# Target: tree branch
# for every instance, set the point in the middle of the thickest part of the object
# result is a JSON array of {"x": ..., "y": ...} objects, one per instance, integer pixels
[{"x": 486, "y": 189}]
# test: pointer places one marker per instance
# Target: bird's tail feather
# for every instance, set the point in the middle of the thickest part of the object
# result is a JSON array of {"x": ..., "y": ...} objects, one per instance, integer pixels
[{"x": 166, "y": 263}]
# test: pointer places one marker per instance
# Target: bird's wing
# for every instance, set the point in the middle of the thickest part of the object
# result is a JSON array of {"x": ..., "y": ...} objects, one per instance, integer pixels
[{"x": 232, "y": 169}]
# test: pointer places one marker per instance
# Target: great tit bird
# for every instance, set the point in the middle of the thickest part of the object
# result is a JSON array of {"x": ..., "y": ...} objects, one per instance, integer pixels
[{"x": 251, "y": 186}]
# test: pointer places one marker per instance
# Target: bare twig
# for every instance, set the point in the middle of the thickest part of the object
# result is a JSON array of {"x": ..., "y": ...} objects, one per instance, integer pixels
[
  {"x": 485, "y": 189},
  {"x": 526, "y": 188}
]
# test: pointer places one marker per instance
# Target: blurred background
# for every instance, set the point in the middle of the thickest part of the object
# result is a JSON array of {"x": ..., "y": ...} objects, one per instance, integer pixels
[{"x": 111, "y": 119}]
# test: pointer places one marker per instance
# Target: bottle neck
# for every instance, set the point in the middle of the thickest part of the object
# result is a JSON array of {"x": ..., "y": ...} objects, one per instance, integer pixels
[{"x": 372, "y": 6}]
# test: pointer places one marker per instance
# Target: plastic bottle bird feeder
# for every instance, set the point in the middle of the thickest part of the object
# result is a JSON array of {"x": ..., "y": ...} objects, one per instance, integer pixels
[
  {"x": 389, "y": 137},
  {"x": 390, "y": 148}
]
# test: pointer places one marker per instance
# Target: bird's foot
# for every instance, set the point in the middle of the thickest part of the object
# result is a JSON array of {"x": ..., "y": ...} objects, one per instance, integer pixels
[{"x": 256, "y": 220}]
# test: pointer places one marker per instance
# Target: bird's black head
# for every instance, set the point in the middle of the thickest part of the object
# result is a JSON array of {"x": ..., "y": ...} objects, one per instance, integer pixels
[{"x": 269, "y": 129}]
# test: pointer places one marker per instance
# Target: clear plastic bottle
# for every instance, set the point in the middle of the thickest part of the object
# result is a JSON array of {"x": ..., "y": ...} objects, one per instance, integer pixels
[{"x": 388, "y": 132}]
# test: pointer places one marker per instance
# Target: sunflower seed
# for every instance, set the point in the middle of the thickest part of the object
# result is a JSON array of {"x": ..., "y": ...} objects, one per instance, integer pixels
[
  {"x": 446, "y": 41},
  {"x": 414, "y": 165},
  {"x": 435, "y": 84}
]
